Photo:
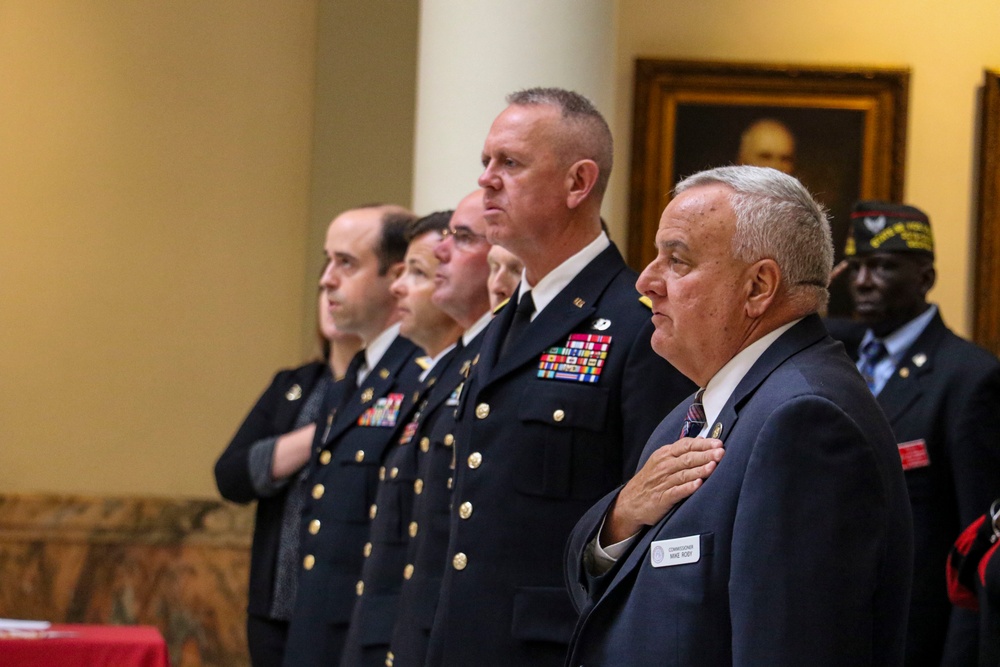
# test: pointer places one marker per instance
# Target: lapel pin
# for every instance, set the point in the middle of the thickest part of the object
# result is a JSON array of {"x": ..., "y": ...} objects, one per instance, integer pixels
[
  {"x": 919, "y": 359},
  {"x": 384, "y": 373},
  {"x": 904, "y": 372},
  {"x": 717, "y": 430},
  {"x": 578, "y": 302},
  {"x": 601, "y": 324},
  {"x": 367, "y": 394},
  {"x": 294, "y": 393}
]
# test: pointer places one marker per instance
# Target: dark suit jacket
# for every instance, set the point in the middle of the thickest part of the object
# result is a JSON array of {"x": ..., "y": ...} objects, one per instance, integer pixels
[
  {"x": 426, "y": 551},
  {"x": 273, "y": 415},
  {"x": 339, "y": 507},
  {"x": 548, "y": 448},
  {"x": 382, "y": 575},
  {"x": 803, "y": 529},
  {"x": 951, "y": 401}
]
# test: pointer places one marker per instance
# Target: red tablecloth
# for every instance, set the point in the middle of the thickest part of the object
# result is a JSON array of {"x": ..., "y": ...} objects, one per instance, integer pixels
[{"x": 84, "y": 646}]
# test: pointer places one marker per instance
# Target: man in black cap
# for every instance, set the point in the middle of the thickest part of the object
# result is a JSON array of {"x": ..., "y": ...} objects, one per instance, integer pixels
[{"x": 941, "y": 395}]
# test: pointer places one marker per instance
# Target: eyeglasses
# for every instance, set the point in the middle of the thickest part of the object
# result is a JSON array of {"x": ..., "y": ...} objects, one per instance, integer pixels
[{"x": 464, "y": 238}]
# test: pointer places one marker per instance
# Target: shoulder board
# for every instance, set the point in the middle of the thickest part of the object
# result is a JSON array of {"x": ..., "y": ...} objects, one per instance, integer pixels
[
  {"x": 423, "y": 362},
  {"x": 646, "y": 301},
  {"x": 502, "y": 304}
]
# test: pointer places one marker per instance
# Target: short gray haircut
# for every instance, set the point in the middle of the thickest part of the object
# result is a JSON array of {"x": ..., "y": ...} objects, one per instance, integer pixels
[
  {"x": 590, "y": 135},
  {"x": 777, "y": 218}
]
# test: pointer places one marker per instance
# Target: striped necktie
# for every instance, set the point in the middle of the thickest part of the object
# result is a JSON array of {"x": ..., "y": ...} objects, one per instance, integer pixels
[{"x": 695, "y": 420}]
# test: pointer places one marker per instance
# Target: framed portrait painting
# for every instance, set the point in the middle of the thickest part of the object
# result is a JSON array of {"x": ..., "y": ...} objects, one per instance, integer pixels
[
  {"x": 986, "y": 321},
  {"x": 841, "y": 131}
]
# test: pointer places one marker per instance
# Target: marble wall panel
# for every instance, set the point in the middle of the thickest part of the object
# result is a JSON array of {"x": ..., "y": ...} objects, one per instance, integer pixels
[{"x": 181, "y": 565}]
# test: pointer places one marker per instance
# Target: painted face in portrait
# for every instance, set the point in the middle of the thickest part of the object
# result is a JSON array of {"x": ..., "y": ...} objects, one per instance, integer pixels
[{"x": 768, "y": 143}]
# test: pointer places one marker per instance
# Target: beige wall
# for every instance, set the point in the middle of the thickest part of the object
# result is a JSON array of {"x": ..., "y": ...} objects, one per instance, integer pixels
[
  {"x": 946, "y": 45},
  {"x": 154, "y": 180},
  {"x": 168, "y": 168}
]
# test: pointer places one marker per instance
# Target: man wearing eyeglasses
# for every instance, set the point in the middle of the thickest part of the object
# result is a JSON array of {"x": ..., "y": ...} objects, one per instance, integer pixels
[
  {"x": 561, "y": 398},
  {"x": 941, "y": 395}
]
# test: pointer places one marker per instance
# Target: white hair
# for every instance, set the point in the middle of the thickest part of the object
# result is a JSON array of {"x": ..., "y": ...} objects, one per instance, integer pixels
[{"x": 777, "y": 218}]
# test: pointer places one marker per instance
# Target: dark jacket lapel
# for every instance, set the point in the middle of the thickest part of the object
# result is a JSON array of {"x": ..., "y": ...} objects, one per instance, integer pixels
[{"x": 905, "y": 385}]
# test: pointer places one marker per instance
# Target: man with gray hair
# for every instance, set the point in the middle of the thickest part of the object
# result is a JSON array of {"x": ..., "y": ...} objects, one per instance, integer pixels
[
  {"x": 768, "y": 522},
  {"x": 564, "y": 392}
]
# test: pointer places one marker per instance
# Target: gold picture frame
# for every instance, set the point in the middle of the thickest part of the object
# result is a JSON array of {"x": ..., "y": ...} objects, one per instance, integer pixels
[
  {"x": 848, "y": 126},
  {"x": 986, "y": 303}
]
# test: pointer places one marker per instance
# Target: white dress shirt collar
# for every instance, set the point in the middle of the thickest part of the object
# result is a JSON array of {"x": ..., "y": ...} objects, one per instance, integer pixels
[
  {"x": 376, "y": 349},
  {"x": 724, "y": 383},
  {"x": 555, "y": 280}
]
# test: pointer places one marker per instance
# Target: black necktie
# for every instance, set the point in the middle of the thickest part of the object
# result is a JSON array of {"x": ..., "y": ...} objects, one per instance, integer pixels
[
  {"x": 350, "y": 378},
  {"x": 521, "y": 320}
]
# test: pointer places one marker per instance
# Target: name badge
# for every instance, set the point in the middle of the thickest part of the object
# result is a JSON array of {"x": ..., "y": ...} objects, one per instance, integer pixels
[
  {"x": 678, "y": 551},
  {"x": 914, "y": 454}
]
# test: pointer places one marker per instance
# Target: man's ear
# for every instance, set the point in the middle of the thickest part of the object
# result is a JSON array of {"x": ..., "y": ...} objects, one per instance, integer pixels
[
  {"x": 927, "y": 278},
  {"x": 764, "y": 281},
  {"x": 395, "y": 271},
  {"x": 580, "y": 180}
]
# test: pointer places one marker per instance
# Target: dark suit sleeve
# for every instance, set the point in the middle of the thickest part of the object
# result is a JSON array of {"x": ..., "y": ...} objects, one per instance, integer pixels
[
  {"x": 651, "y": 388},
  {"x": 584, "y": 588},
  {"x": 811, "y": 508},
  {"x": 974, "y": 443},
  {"x": 232, "y": 470}
]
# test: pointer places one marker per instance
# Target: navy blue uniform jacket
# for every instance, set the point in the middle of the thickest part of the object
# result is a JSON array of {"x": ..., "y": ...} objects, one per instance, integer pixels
[
  {"x": 950, "y": 401},
  {"x": 804, "y": 533},
  {"x": 546, "y": 449},
  {"x": 342, "y": 481}
]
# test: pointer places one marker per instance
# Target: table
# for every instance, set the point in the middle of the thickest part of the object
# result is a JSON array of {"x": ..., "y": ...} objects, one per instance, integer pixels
[{"x": 84, "y": 646}]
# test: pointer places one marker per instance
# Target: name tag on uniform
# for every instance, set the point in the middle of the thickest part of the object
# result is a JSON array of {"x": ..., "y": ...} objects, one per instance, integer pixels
[
  {"x": 678, "y": 551},
  {"x": 913, "y": 454}
]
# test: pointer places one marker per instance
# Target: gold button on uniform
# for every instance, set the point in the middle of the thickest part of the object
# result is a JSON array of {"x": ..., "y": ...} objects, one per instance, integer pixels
[
  {"x": 393, "y": 473},
  {"x": 425, "y": 444},
  {"x": 450, "y": 481},
  {"x": 413, "y": 528},
  {"x": 483, "y": 410},
  {"x": 418, "y": 486},
  {"x": 407, "y": 572},
  {"x": 309, "y": 561},
  {"x": 368, "y": 549},
  {"x": 360, "y": 588},
  {"x": 465, "y": 510},
  {"x": 318, "y": 491},
  {"x": 359, "y": 455},
  {"x": 381, "y": 473},
  {"x": 558, "y": 416},
  {"x": 449, "y": 440},
  {"x": 475, "y": 460},
  {"x": 372, "y": 511},
  {"x": 389, "y": 657},
  {"x": 460, "y": 561},
  {"x": 314, "y": 526},
  {"x": 325, "y": 456}
]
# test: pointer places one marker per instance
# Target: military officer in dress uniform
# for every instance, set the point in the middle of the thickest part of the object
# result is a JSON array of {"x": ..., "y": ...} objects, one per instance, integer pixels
[
  {"x": 564, "y": 394},
  {"x": 365, "y": 249},
  {"x": 461, "y": 291},
  {"x": 941, "y": 395},
  {"x": 385, "y": 552}
]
